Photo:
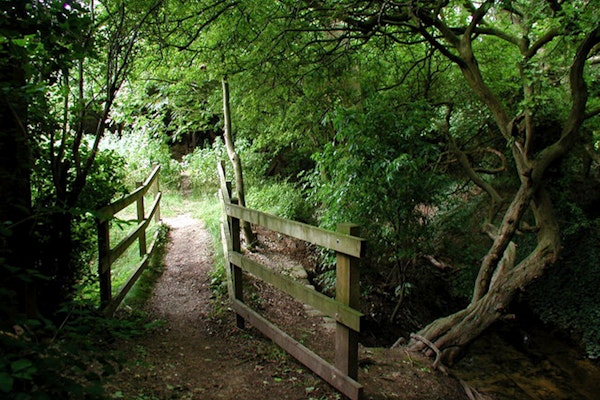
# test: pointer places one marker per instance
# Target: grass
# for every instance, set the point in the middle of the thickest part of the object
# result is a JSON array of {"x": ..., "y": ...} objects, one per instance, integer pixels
[
  {"x": 208, "y": 209},
  {"x": 204, "y": 207}
]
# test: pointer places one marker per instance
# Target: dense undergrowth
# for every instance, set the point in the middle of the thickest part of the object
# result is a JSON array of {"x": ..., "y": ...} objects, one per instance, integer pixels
[{"x": 68, "y": 356}]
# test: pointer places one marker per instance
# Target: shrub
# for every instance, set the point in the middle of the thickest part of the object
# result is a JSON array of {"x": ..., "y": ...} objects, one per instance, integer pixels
[
  {"x": 280, "y": 198},
  {"x": 201, "y": 169},
  {"x": 40, "y": 360},
  {"x": 141, "y": 151}
]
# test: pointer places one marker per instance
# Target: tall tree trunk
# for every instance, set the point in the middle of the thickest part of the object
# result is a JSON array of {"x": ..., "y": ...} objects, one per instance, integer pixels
[
  {"x": 236, "y": 163},
  {"x": 15, "y": 191}
]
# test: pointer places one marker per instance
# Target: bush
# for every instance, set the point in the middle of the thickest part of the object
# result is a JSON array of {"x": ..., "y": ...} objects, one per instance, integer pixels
[
  {"x": 141, "y": 151},
  {"x": 39, "y": 360},
  {"x": 283, "y": 199},
  {"x": 201, "y": 166},
  {"x": 56, "y": 280},
  {"x": 567, "y": 294},
  {"x": 376, "y": 174}
]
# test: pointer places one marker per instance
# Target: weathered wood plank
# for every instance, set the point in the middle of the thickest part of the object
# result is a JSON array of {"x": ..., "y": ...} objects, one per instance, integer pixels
[
  {"x": 330, "y": 307},
  {"x": 140, "y": 217},
  {"x": 152, "y": 177},
  {"x": 339, "y": 242},
  {"x": 106, "y": 213},
  {"x": 313, "y": 361},
  {"x": 128, "y": 240},
  {"x": 347, "y": 291},
  {"x": 225, "y": 188},
  {"x": 236, "y": 271},
  {"x": 116, "y": 301},
  {"x": 155, "y": 210},
  {"x": 112, "y": 306},
  {"x": 104, "y": 262}
]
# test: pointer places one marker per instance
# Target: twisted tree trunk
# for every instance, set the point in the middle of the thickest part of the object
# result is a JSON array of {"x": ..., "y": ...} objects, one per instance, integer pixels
[
  {"x": 236, "y": 164},
  {"x": 450, "y": 334},
  {"x": 499, "y": 280}
]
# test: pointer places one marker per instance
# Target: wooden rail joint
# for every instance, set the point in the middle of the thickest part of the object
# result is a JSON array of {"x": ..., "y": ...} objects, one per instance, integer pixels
[
  {"x": 107, "y": 255},
  {"x": 349, "y": 248}
]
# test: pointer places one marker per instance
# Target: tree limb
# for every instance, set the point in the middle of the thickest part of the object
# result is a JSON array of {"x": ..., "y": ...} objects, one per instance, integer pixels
[
  {"x": 579, "y": 94},
  {"x": 478, "y": 17},
  {"x": 466, "y": 165},
  {"x": 546, "y": 38}
]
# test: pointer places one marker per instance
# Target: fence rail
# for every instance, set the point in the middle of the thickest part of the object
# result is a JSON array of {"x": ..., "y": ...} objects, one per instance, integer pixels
[
  {"x": 343, "y": 374},
  {"x": 107, "y": 255}
]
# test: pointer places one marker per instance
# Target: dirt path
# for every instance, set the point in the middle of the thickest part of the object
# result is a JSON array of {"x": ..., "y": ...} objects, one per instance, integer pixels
[{"x": 197, "y": 353}]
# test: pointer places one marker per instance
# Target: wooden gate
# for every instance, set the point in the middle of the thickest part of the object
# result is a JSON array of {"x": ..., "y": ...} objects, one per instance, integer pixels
[
  {"x": 107, "y": 255},
  {"x": 343, "y": 374}
]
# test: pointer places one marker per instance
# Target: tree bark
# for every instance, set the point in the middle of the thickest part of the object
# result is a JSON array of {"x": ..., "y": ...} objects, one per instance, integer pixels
[
  {"x": 450, "y": 334},
  {"x": 499, "y": 280},
  {"x": 16, "y": 253},
  {"x": 236, "y": 163}
]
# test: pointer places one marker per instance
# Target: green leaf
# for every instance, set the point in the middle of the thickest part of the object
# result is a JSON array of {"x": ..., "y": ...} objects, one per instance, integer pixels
[
  {"x": 6, "y": 382},
  {"x": 23, "y": 369},
  {"x": 20, "y": 365}
]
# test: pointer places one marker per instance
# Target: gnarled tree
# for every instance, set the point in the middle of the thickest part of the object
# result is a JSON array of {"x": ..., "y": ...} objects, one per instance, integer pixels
[{"x": 546, "y": 51}]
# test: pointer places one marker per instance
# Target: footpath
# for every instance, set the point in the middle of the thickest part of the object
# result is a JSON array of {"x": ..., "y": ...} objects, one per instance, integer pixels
[{"x": 196, "y": 352}]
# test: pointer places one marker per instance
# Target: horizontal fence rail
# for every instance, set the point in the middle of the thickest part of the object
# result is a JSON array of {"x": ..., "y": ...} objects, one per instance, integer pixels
[
  {"x": 107, "y": 255},
  {"x": 343, "y": 373}
]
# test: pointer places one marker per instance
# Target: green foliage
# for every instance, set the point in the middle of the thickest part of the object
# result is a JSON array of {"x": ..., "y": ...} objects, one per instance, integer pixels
[
  {"x": 105, "y": 182},
  {"x": 201, "y": 168},
  {"x": 377, "y": 173},
  {"x": 457, "y": 220},
  {"x": 39, "y": 360},
  {"x": 567, "y": 296},
  {"x": 280, "y": 198},
  {"x": 209, "y": 211},
  {"x": 141, "y": 151}
]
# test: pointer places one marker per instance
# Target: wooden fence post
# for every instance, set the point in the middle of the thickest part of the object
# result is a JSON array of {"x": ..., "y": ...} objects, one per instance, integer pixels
[
  {"x": 347, "y": 291},
  {"x": 236, "y": 272},
  {"x": 104, "y": 263},
  {"x": 140, "y": 219}
]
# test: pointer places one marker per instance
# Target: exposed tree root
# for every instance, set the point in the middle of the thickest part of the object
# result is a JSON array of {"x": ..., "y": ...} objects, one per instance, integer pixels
[
  {"x": 470, "y": 391},
  {"x": 438, "y": 352}
]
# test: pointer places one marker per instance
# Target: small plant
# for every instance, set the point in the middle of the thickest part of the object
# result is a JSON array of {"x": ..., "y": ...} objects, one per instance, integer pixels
[
  {"x": 41, "y": 360},
  {"x": 283, "y": 199},
  {"x": 201, "y": 169}
]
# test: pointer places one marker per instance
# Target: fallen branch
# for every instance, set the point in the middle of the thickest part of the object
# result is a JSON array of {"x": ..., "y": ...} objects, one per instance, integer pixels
[
  {"x": 471, "y": 392},
  {"x": 437, "y": 263},
  {"x": 398, "y": 342}
]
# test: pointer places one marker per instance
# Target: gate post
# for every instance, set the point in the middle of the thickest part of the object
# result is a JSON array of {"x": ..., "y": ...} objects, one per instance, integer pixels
[
  {"x": 156, "y": 192},
  {"x": 104, "y": 263},
  {"x": 236, "y": 272},
  {"x": 347, "y": 291}
]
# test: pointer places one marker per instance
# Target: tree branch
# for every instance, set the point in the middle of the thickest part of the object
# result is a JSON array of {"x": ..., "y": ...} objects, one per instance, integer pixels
[
  {"x": 466, "y": 165},
  {"x": 577, "y": 114},
  {"x": 592, "y": 113},
  {"x": 546, "y": 38},
  {"x": 478, "y": 17}
]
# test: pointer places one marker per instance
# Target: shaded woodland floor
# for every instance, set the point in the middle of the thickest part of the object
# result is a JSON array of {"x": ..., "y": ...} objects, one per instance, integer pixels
[{"x": 198, "y": 353}]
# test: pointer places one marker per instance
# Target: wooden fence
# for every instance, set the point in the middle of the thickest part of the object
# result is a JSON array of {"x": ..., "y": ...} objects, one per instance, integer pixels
[
  {"x": 107, "y": 255},
  {"x": 343, "y": 374}
]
